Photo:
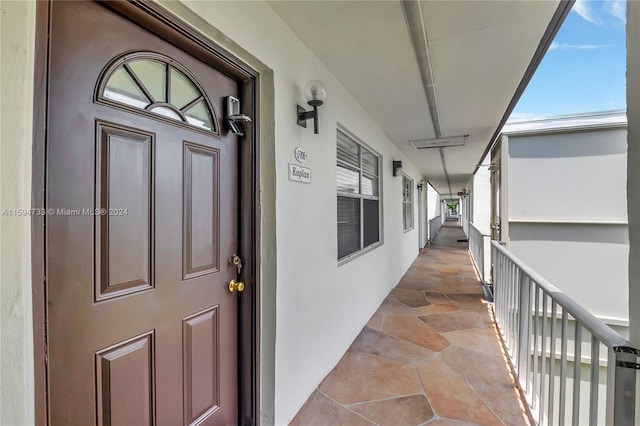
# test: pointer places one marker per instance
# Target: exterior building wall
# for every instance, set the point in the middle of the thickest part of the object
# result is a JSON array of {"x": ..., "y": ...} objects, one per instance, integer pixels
[
  {"x": 481, "y": 214},
  {"x": 17, "y": 36},
  {"x": 567, "y": 214},
  {"x": 435, "y": 211},
  {"x": 633, "y": 162},
  {"x": 478, "y": 200},
  {"x": 433, "y": 203},
  {"x": 423, "y": 208}
]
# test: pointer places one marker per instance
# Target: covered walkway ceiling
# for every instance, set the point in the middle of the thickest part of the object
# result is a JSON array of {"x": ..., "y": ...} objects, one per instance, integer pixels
[{"x": 431, "y": 69}]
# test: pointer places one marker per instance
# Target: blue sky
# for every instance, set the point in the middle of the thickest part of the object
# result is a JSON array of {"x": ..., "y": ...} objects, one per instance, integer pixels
[{"x": 584, "y": 69}]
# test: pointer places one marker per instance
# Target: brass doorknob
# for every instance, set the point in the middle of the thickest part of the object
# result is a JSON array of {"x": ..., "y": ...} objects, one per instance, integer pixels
[{"x": 236, "y": 286}]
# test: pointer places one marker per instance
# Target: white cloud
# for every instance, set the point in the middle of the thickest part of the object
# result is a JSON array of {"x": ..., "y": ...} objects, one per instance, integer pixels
[
  {"x": 606, "y": 10},
  {"x": 566, "y": 46},
  {"x": 582, "y": 8},
  {"x": 617, "y": 9}
]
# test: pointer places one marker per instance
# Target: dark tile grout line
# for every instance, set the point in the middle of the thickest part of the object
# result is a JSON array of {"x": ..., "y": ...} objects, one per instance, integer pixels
[
  {"x": 424, "y": 392},
  {"x": 346, "y": 407}
]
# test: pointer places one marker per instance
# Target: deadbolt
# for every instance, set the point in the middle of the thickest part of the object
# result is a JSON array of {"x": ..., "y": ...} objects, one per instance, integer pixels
[
  {"x": 234, "y": 260},
  {"x": 236, "y": 286}
]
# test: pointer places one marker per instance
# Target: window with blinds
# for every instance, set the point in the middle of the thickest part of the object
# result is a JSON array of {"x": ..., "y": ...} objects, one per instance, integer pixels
[
  {"x": 358, "y": 196},
  {"x": 407, "y": 203}
]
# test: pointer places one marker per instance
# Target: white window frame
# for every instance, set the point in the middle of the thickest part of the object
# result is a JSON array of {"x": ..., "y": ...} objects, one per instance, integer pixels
[
  {"x": 361, "y": 197},
  {"x": 407, "y": 183}
]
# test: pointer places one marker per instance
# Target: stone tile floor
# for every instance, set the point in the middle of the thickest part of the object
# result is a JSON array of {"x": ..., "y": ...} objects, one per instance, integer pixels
[{"x": 430, "y": 355}]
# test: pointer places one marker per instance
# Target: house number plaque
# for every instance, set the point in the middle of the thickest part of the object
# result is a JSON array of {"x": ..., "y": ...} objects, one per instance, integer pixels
[{"x": 300, "y": 154}]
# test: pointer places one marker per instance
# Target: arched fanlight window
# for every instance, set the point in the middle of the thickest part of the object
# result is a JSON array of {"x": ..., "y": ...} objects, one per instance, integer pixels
[{"x": 158, "y": 85}]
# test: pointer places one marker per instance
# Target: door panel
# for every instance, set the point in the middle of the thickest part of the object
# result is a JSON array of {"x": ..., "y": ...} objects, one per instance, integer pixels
[
  {"x": 201, "y": 205},
  {"x": 124, "y": 236},
  {"x": 124, "y": 382},
  {"x": 201, "y": 367},
  {"x": 141, "y": 326}
]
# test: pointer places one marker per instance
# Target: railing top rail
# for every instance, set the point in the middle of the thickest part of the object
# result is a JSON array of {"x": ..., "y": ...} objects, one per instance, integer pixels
[
  {"x": 478, "y": 230},
  {"x": 597, "y": 327}
]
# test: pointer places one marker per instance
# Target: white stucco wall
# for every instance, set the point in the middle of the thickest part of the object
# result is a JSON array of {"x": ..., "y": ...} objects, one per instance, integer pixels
[
  {"x": 320, "y": 306},
  {"x": 433, "y": 202},
  {"x": 568, "y": 214},
  {"x": 587, "y": 262},
  {"x": 423, "y": 222},
  {"x": 633, "y": 161},
  {"x": 17, "y": 34},
  {"x": 482, "y": 198},
  {"x": 574, "y": 176}
]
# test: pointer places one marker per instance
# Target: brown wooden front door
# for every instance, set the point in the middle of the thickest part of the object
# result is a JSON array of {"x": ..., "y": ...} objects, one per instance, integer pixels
[{"x": 142, "y": 183}]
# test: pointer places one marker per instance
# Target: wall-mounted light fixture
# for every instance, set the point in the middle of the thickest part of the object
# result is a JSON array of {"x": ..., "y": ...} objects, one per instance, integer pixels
[
  {"x": 315, "y": 92},
  {"x": 397, "y": 166}
]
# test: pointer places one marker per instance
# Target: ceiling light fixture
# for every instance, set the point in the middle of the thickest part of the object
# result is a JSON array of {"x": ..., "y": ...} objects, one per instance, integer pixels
[{"x": 439, "y": 142}]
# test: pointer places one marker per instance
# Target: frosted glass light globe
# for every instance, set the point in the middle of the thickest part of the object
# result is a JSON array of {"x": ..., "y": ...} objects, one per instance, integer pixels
[{"x": 315, "y": 92}]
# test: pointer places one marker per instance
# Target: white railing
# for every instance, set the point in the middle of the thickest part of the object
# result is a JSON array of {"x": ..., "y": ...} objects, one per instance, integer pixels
[
  {"x": 479, "y": 246},
  {"x": 434, "y": 226},
  {"x": 549, "y": 338}
]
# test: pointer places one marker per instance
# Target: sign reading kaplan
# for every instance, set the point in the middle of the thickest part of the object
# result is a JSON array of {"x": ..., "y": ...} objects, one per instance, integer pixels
[{"x": 299, "y": 174}]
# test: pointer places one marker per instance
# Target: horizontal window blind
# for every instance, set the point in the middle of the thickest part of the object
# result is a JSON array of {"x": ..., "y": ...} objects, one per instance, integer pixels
[
  {"x": 357, "y": 183},
  {"x": 348, "y": 226}
]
